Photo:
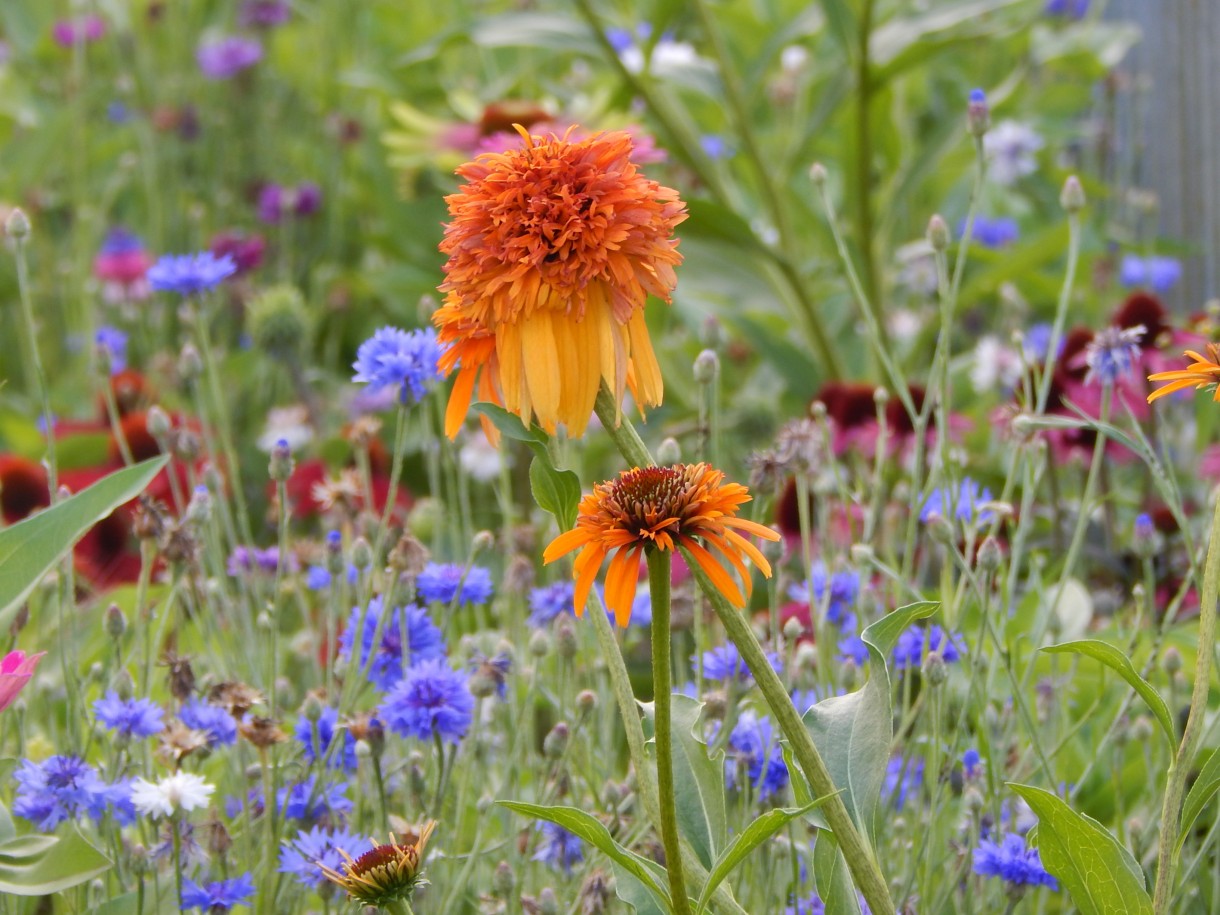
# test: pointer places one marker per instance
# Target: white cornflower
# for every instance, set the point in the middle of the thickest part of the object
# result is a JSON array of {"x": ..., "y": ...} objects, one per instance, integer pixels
[
  {"x": 1010, "y": 147},
  {"x": 288, "y": 423},
  {"x": 481, "y": 460},
  {"x": 180, "y": 791}
]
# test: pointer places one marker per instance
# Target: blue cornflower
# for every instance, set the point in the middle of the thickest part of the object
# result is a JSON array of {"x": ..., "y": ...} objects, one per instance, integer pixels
[
  {"x": 1068, "y": 9},
  {"x": 394, "y": 358},
  {"x": 302, "y": 856},
  {"x": 187, "y": 274},
  {"x": 308, "y": 801},
  {"x": 1112, "y": 353},
  {"x": 1036, "y": 342},
  {"x": 225, "y": 57},
  {"x": 844, "y": 587},
  {"x": 432, "y": 699},
  {"x": 902, "y": 777},
  {"x": 549, "y": 602},
  {"x": 218, "y": 896},
  {"x": 317, "y": 578},
  {"x": 441, "y": 582},
  {"x": 915, "y": 643},
  {"x": 424, "y": 641},
  {"x": 725, "y": 663},
  {"x": 972, "y": 763},
  {"x": 753, "y": 745},
  {"x": 852, "y": 648},
  {"x": 963, "y": 505},
  {"x": 641, "y": 609},
  {"x": 315, "y": 737},
  {"x": 991, "y": 233},
  {"x": 114, "y": 342},
  {"x": 1013, "y": 862},
  {"x": 129, "y": 717},
  {"x": 715, "y": 146},
  {"x": 813, "y": 905},
  {"x": 214, "y": 721},
  {"x": 58, "y": 789},
  {"x": 246, "y": 559},
  {"x": 1157, "y": 273},
  {"x": 560, "y": 849}
]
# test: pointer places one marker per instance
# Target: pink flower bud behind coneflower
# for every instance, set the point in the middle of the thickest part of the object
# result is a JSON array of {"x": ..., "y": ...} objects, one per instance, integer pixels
[{"x": 16, "y": 668}]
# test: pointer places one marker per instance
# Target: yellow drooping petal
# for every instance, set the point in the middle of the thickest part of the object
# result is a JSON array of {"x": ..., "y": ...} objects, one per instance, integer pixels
[
  {"x": 540, "y": 357},
  {"x": 650, "y": 387}
]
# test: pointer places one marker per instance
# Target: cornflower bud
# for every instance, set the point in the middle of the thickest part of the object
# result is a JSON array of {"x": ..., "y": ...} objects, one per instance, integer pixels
[
  {"x": 990, "y": 555},
  {"x": 483, "y": 541},
  {"x": 281, "y": 464},
  {"x": 17, "y": 225},
  {"x": 159, "y": 424},
  {"x": 793, "y": 629},
  {"x": 556, "y": 741},
  {"x": 362, "y": 554},
  {"x": 1072, "y": 198},
  {"x": 707, "y": 366},
  {"x": 114, "y": 622},
  {"x": 978, "y": 113},
  {"x": 565, "y": 637},
  {"x": 586, "y": 701},
  {"x": 190, "y": 363},
  {"x": 669, "y": 452},
  {"x": 540, "y": 644},
  {"x": 503, "y": 880},
  {"x": 1171, "y": 660},
  {"x": 935, "y": 671},
  {"x": 817, "y": 174},
  {"x": 938, "y": 233},
  {"x": 940, "y": 529}
]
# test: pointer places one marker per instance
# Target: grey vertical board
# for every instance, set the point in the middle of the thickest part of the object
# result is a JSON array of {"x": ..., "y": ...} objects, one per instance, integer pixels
[{"x": 1173, "y": 128}]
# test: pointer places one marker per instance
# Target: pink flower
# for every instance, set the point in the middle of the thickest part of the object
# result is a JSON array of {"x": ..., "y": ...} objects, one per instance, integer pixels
[{"x": 16, "y": 668}]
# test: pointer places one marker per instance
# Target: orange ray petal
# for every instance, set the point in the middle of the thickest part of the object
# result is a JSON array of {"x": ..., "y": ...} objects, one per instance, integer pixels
[{"x": 715, "y": 571}]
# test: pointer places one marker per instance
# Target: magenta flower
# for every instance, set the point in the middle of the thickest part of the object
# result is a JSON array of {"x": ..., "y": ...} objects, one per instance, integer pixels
[
  {"x": 81, "y": 30},
  {"x": 16, "y": 668}
]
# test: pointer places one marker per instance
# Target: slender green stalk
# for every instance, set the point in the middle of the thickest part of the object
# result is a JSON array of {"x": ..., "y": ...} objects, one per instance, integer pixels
[
  {"x": 1175, "y": 786},
  {"x": 42, "y": 390},
  {"x": 659, "y": 588},
  {"x": 400, "y": 444},
  {"x": 860, "y": 858},
  {"x": 863, "y": 172},
  {"x": 1061, "y": 307}
]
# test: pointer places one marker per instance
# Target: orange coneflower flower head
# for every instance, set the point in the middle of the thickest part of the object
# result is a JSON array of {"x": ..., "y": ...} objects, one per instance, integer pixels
[
  {"x": 1201, "y": 373},
  {"x": 660, "y": 508},
  {"x": 387, "y": 873},
  {"x": 553, "y": 250}
]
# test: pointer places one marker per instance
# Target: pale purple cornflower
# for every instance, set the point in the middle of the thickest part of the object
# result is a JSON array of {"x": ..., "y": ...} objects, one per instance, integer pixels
[
  {"x": 1112, "y": 353},
  {"x": 277, "y": 202},
  {"x": 263, "y": 14},
  {"x": 1011, "y": 149},
  {"x": 225, "y": 57},
  {"x": 1159, "y": 274}
]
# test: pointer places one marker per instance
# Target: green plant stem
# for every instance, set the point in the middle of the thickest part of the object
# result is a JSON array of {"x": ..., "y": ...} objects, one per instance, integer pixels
[
  {"x": 620, "y": 430},
  {"x": 1061, "y": 308},
  {"x": 1175, "y": 782},
  {"x": 859, "y": 856},
  {"x": 659, "y": 591},
  {"x": 400, "y": 444},
  {"x": 42, "y": 391},
  {"x": 864, "y": 160}
]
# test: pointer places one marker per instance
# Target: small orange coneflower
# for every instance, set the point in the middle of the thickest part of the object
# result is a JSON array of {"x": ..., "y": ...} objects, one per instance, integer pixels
[
  {"x": 385, "y": 874},
  {"x": 1201, "y": 373},
  {"x": 660, "y": 508},
  {"x": 553, "y": 250}
]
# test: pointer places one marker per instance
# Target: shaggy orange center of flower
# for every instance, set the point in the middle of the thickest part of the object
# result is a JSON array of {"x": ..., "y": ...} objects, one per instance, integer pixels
[
  {"x": 1201, "y": 373},
  {"x": 660, "y": 508},
  {"x": 553, "y": 250}
]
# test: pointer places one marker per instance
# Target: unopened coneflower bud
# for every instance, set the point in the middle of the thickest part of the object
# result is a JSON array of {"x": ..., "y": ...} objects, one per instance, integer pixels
[
  {"x": 793, "y": 629},
  {"x": 586, "y": 701},
  {"x": 817, "y": 174},
  {"x": 281, "y": 465},
  {"x": 938, "y": 233},
  {"x": 423, "y": 518},
  {"x": 483, "y": 541},
  {"x": 17, "y": 225},
  {"x": 1072, "y": 197},
  {"x": 669, "y": 452},
  {"x": 556, "y": 741},
  {"x": 503, "y": 880},
  {"x": 707, "y": 366},
  {"x": 565, "y": 638},
  {"x": 978, "y": 113},
  {"x": 190, "y": 363},
  {"x": 990, "y": 555},
  {"x": 612, "y": 795},
  {"x": 934, "y": 669},
  {"x": 114, "y": 622},
  {"x": 1171, "y": 660},
  {"x": 940, "y": 529},
  {"x": 362, "y": 554},
  {"x": 540, "y": 644}
]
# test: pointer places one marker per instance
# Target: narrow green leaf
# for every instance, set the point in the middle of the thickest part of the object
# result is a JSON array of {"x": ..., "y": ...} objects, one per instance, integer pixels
[
  {"x": 556, "y": 491},
  {"x": 759, "y": 831},
  {"x": 1200, "y": 793},
  {"x": 7, "y": 828},
  {"x": 64, "y": 863},
  {"x": 509, "y": 424},
  {"x": 853, "y": 733},
  {"x": 30, "y": 548},
  {"x": 832, "y": 877},
  {"x": 548, "y": 31},
  {"x": 593, "y": 831},
  {"x": 1118, "y": 662},
  {"x": 1098, "y": 873}
]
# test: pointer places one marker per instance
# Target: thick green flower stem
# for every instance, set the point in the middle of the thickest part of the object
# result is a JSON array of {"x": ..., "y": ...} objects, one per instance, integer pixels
[
  {"x": 859, "y": 856},
  {"x": 398, "y": 907},
  {"x": 658, "y": 588},
  {"x": 1171, "y": 811}
]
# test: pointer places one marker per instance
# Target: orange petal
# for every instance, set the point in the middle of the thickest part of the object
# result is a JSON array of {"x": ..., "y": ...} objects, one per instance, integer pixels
[
  {"x": 564, "y": 544},
  {"x": 715, "y": 571},
  {"x": 459, "y": 400},
  {"x": 1174, "y": 386},
  {"x": 592, "y": 559}
]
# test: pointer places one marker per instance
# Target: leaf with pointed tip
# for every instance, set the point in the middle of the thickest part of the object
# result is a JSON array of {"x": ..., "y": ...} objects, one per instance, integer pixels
[
  {"x": 1200, "y": 793},
  {"x": 40, "y": 868}
]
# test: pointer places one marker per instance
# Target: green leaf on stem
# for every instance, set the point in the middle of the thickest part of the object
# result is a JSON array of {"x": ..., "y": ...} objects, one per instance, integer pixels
[
  {"x": 832, "y": 877},
  {"x": 1201, "y": 792},
  {"x": 42, "y": 865},
  {"x": 1098, "y": 873},
  {"x": 853, "y": 733},
  {"x": 759, "y": 831},
  {"x": 1114, "y": 659},
  {"x": 592, "y": 830},
  {"x": 32, "y": 547}
]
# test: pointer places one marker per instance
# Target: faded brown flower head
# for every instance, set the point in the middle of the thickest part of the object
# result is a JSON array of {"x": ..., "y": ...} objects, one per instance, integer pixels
[
  {"x": 262, "y": 732},
  {"x": 385, "y": 874},
  {"x": 181, "y": 675},
  {"x": 237, "y": 697},
  {"x": 177, "y": 741},
  {"x": 409, "y": 556}
]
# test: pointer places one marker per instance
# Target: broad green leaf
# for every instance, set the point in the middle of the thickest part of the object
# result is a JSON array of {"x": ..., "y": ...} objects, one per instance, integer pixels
[
  {"x": 64, "y": 863},
  {"x": 509, "y": 424},
  {"x": 534, "y": 30},
  {"x": 906, "y": 41},
  {"x": 712, "y": 221},
  {"x": 556, "y": 491},
  {"x": 30, "y": 548},
  {"x": 760, "y": 830},
  {"x": 634, "y": 893},
  {"x": 1098, "y": 873},
  {"x": 832, "y": 878},
  {"x": 1200, "y": 793},
  {"x": 853, "y": 733},
  {"x": 592, "y": 830},
  {"x": 1118, "y": 662},
  {"x": 7, "y": 828},
  {"x": 698, "y": 781}
]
